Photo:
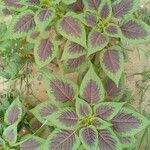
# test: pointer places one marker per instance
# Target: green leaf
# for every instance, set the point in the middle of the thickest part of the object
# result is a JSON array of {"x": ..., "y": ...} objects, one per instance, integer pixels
[
  {"x": 45, "y": 51},
  {"x": 73, "y": 50},
  {"x": 83, "y": 109},
  {"x": 91, "y": 89},
  {"x": 2, "y": 143},
  {"x": 60, "y": 89},
  {"x": 44, "y": 110},
  {"x": 89, "y": 137},
  {"x": 135, "y": 31},
  {"x": 3, "y": 29},
  {"x": 96, "y": 41},
  {"x": 32, "y": 142},
  {"x": 112, "y": 62},
  {"x": 129, "y": 122},
  {"x": 62, "y": 140},
  {"x": 43, "y": 17},
  {"x": 21, "y": 24},
  {"x": 10, "y": 134},
  {"x": 67, "y": 2},
  {"x": 100, "y": 124},
  {"x": 66, "y": 118},
  {"x": 107, "y": 110},
  {"x": 112, "y": 30},
  {"x": 13, "y": 114},
  {"x": 71, "y": 28}
]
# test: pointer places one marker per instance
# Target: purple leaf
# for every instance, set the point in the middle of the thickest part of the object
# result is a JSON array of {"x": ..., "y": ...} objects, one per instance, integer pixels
[
  {"x": 31, "y": 143},
  {"x": 33, "y": 2},
  {"x": 83, "y": 109},
  {"x": 96, "y": 41},
  {"x": 91, "y": 89},
  {"x": 12, "y": 3},
  {"x": 72, "y": 50},
  {"x": 113, "y": 30},
  {"x": 66, "y": 118},
  {"x": 14, "y": 112},
  {"x": 72, "y": 29},
  {"x": 44, "y": 17},
  {"x": 75, "y": 62},
  {"x": 124, "y": 7},
  {"x": 33, "y": 36},
  {"x": 35, "y": 124},
  {"x": 92, "y": 4},
  {"x": 22, "y": 24},
  {"x": 135, "y": 31},
  {"x": 129, "y": 122},
  {"x": 45, "y": 51},
  {"x": 77, "y": 6},
  {"x": 89, "y": 137},
  {"x": 112, "y": 62},
  {"x": 107, "y": 110},
  {"x": 88, "y": 18},
  {"x": 10, "y": 134},
  {"x": 112, "y": 90},
  {"x": 60, "y": 89},
  {"x": 44, "y": 110},
  {"x": 105, "y": 11},
  {"x": 62, "y": 140},
  {"x": 108, "y": 140}
]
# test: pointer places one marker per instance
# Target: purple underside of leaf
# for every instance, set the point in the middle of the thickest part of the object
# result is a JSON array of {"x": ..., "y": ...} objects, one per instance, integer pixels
[
  {"x": 91, "y": 20},
  {"x": 122, "y": 8},
  {"x": 124, "y": 122},
  {"x": 13, "y": 114},
  {"x": 111, "y": 60},
  {"x": 111, "y": 88},
  {"x": 97, "y": 39},
  {"x": 133, "y": 30},
  {"x": 105, "y": 12},
  {"x": 25, "y": 23},
  {"x": 75, "y": 62},
  {"x": 77, "y": 6},
  {"x": 62, "y": 90},
  {"x": 30, "y": 144},
  {"x": 45, "y": 49},
  {"x": 106, "y": 142},
  {"x": 104, "y": 111},
  {"x": 84, "y": 110},
  {"x": 111, "y": 29},
  {"x": 10, "y": 135},
  {"x": 93, "y": 4},
  {"x": 63, "y": 140},
  {"x": 89, "y": 136},
  {"x": 47, "y": 110},
  {"x": 71, "y": 26},
  {"x": 68, "y": 118},
  {"x": 125, "y": 140},
  {"x": 35, "y": 34},
  {"x": 75, "y": 48},
  {"x": 44, "y": 14},
  {"x": 13, "y": 3},
  {"x": 91, "y": 93}
]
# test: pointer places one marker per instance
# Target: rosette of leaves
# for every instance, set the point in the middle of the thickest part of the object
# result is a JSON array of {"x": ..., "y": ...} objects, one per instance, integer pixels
[
  {"x": 75, "y": 32},
  {"x": 83, "y": 120}
]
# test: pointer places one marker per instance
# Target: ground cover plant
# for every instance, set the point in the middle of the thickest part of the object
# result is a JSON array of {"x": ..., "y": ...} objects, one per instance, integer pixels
[{"x": 84, "y": 36}]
